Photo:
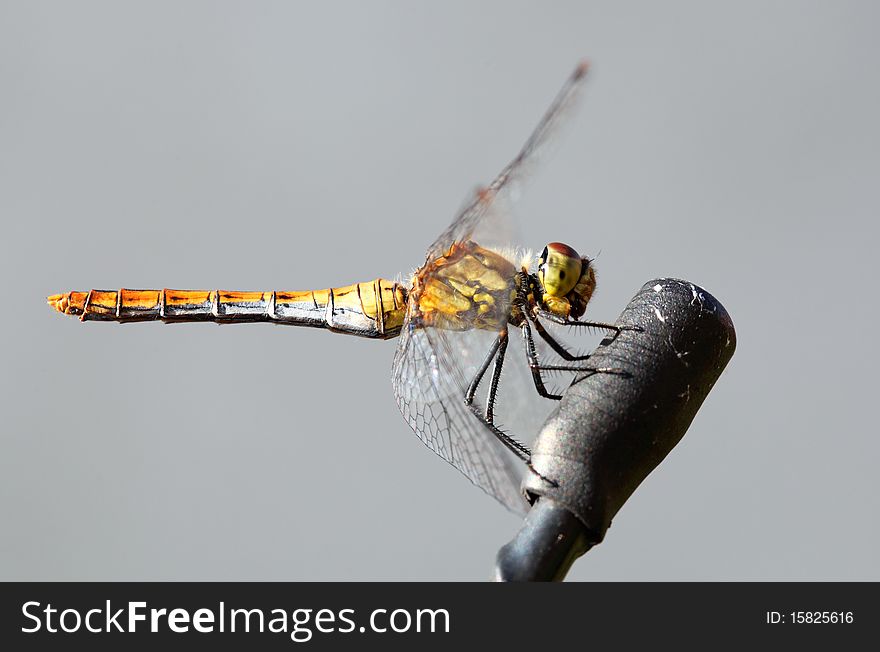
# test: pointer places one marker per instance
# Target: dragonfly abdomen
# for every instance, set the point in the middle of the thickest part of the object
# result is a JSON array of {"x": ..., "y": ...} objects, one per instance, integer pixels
[{"x": 373, "y": 309}]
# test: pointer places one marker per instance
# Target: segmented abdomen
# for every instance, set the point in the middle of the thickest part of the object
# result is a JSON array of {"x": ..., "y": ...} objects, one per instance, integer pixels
[{"x": 373, "y": 309}]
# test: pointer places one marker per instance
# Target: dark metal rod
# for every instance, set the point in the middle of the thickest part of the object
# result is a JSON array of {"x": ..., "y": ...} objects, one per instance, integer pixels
[{"x": 610, "y": 431}]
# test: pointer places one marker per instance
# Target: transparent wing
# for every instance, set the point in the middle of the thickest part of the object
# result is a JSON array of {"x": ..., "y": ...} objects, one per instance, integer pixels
[
  {"x": 429, "y": 385},
  {"x": 469, "y": 223},
  {"x": 431, "y": 372},
  {"x": 433, "y": 367}
]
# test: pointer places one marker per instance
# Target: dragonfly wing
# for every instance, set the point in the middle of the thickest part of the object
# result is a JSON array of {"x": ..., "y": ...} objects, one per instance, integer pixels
[
  {"x": 433, "y": 366},
  {"x": 430, "y": 377},
  {"x": 507, "y": 184}
]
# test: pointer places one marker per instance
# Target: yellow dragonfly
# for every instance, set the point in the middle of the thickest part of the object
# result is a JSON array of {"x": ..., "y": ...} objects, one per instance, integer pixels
[{"x": 452, "y": 321}]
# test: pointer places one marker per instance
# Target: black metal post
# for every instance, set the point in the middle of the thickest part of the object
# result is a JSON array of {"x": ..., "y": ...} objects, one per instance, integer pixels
[{"x": 610, "y": 431}]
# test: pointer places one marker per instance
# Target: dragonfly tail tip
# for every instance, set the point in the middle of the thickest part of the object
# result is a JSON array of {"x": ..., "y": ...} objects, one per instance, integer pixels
[{"x": 59, "y": 302}]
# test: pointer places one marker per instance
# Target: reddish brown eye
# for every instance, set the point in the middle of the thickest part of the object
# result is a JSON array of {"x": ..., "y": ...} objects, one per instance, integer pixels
[
  {"x": 560, "y": 269},
  {"x": 562, "y": 249}
]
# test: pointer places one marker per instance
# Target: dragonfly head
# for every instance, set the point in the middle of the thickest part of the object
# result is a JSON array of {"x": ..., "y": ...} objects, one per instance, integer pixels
[{"x": 567, "y": 279}]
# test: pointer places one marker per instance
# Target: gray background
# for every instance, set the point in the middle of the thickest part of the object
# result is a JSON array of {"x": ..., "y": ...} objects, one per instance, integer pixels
[{"x": 267, "y": 145}]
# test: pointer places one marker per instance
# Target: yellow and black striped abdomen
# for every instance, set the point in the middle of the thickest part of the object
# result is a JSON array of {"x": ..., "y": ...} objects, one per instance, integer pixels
[{"x": 373, "y": 309}]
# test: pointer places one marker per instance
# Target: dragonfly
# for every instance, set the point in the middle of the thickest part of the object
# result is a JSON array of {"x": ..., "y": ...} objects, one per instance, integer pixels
[{"x": 452, "y": 320}]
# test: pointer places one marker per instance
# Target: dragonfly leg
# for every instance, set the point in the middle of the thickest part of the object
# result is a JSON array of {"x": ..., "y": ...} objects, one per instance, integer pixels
[
  {"x": 537, "y": 368},
  {"x": 616, "y": 371},
  {"x": 496, "y": 353},
  {"x": 544, "y": 314},
  {"x": 531, "y": 468},
  {"x": 472, "y": 388},
  {"x": 532, "y": 357},
  {"x": 520, "y": 450},
  {"x": 556, "y": 345},
  {"x": 501, "y": 349}
]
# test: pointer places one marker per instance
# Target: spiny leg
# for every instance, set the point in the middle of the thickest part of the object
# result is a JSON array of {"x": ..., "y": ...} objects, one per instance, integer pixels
[
  {"x": 472, "y": 388},
  {"x": 536, "y": 368},
  {"x": 520, "y": 450},
  {"x": 501, "y": 348},
  {"x": 496, "y": 353},
  {"x": 532, "y": 357},
  {"x": 563, "y": 321},
  {"x": 596, "y": 370},
  {"x": 556, "y": 345}
]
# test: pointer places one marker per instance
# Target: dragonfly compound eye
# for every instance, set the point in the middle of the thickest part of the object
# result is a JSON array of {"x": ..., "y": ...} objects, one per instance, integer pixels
[{"x": 559, "y": 270}]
